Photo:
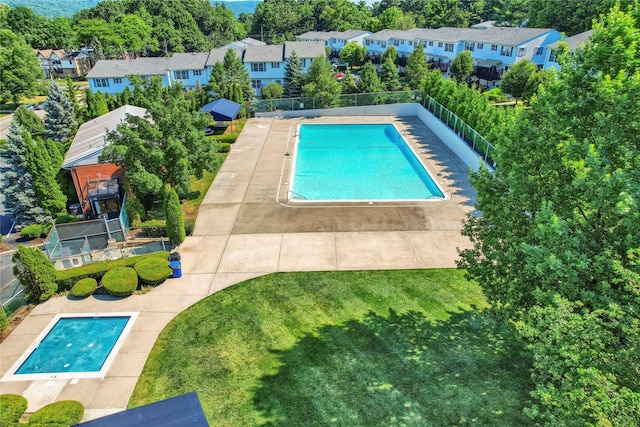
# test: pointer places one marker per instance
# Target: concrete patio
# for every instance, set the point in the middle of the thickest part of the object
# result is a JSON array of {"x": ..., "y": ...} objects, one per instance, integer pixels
[{"x": 247, "y": 228}]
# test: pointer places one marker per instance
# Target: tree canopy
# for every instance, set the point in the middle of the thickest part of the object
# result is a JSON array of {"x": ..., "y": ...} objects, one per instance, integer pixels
[
  {"x": 19, "y": 68},
  {"x": 556, "y": 247}
]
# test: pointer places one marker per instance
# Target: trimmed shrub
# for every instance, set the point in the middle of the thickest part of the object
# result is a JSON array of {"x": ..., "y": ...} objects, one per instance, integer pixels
[
  {"x": 153, "y": 271},
  {"x": 67, "y": 278},
  {"x": 174, "y": 218},
  {"x": 120, "y": 282},
  {"x": 63, "y": 413},
  {"x": 12, "y": 407},
  {"x": 225, "y": 147},
  {"x": 65, "y": 218},
  {"x": 84, "y": 287},
  {"x": 32, "y": 231}
]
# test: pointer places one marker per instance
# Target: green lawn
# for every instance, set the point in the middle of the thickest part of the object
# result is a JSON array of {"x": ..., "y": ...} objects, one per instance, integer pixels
[{"x": 370, "y": 348}]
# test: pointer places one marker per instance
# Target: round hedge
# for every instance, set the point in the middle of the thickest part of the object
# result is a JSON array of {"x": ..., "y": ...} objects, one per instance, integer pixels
[
  {"x": 64, "y": 412},
  {"x": 120, "y": 282},
  {"x": 12, "y": 407},
  {"x": 153, "y": 271},
  {"x": 84, "y": 287}
]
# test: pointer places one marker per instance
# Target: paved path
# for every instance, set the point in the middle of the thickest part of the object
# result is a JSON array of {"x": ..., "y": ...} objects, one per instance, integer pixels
[{"x": 247, "y": 228}]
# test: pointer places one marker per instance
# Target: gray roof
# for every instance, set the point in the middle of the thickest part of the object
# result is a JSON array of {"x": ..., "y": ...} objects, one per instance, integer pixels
[
  {"x": 217, "y": 55},
  {"x": 304, "y": 49},
  {"x": 92, "y": 136},
  {"x": 188, "y": 61},
  {"x": 251, "y": 41},
  {"x": 509, "y": 36},
  {"x": 349, "y": 34},
  {"x": 124, "y": 67},
  {"x": 317, "y": 35},
  {"x": 385, "y": 35},
  {"x": 268, "y": 53},
  {"x": 574, "y": 41}
]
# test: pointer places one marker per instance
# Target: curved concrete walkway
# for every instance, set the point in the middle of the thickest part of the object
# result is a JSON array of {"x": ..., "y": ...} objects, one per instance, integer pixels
[{"x": 246, "y": 228}]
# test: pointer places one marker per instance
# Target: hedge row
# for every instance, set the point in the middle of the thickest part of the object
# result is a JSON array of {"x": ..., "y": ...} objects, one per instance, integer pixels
[
  {"x": 61, "y": 413},
  {"x": 67, "y": 278}
]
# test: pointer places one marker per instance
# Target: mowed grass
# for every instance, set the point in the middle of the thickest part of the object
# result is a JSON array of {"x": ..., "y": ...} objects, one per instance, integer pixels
[{"x": 366, "y": 348}]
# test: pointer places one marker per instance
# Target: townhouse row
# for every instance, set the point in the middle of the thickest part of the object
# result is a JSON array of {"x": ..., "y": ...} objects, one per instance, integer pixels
[{"x": 493, "y": 49}]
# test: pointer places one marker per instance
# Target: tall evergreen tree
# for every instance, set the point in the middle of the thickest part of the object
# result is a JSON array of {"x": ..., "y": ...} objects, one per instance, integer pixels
[
  {"x": 417, "y": 67},
  {"x": 43, "y": 171},
  {"x": 17, "y": 186},
  {"x": 389, "y": 75},
  {"x": 236, "y": 73},
  {"x": 173, "y": 216},
  {"x": 35, "y": 272},
  {"x": 59, "y": 121},
  {"x": 292, "y": 87},
  {"x": 321, "y": 84},
  {"x": 461, "y": 67},
  {"x": 28, "y": 120},
  {"x": 100, "y": 104},
  {"x": 369, "y": 80}
]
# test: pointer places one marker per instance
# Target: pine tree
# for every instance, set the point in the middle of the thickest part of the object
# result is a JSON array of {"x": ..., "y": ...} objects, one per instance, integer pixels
[
  {"x": 35, "y": 272},
  {"x": 417, "y": 68},
  {"x": 292, "y": 87},
  {"x": 17, "y": 186},
  {"x": 59, "y": 121},
  {"x": 369, "y": 80},
  {"x": 100, "y": 106},
  {"x": 71, "y": 93},
  {"x": 43, "y": 172},
  {"x": 235, "y": 72},
  {"x": 389, "y": 75},
  {"x": 173, "y": 215},
  {"x": 28, "y": 120},
  {"x": 125, "y": 97}
]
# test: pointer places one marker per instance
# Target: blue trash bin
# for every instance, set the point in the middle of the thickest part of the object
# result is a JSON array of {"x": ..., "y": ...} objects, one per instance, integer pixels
[{"x": 176, "y": 269}]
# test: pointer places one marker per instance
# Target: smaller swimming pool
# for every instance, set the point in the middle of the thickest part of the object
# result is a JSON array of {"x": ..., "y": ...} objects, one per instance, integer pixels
[
  {"x": 74, "y": 346},
  {"x": 358, "y": 162}
]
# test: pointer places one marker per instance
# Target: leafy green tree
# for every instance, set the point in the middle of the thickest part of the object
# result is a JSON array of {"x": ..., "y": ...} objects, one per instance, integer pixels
[
  {"x": 43, "y": 171},
  {"x": 389, "y": 75},
  {"x": 28, "y": 120},
  {"x": 369, "y": 81},
  {"x": 556, "y": 247},
  {"x": 272, "y": 91},
  {"x": 446, "y": 13},
  {"x": 510, "y": 12},
  {"x": 173, "y": 215},
  {"x": 100, "y": 106},
  {"x": 280, "y": 20},
  {"x": 165, "y": 152},
  {"x": 35, "y": 272},
  {"x": 417, "y": 67},
  {"x": 353, "y": 54},
  {"x": 293, "y": 77},
  {"x": 517, "y": 77},
  {"x": 19, "y": 68},
  {"x": 342, "y": 15},
  {"x": 237, "y": 74},
  {"x": 17, "y": 183},
  {"x": 461, "y": 67},
  {"x": 59, "y": 120},
  {"x": 321, "y": 85},
  {"x": 537, "y": 80}
]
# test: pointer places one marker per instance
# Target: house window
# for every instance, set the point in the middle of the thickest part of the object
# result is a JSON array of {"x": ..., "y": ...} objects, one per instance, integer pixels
[
  {"x": 537, "y": 51},
  {"x": 469, "y": 46},
  {"x": 102, "y": 83},
  {"x": 383, "y": 44},
  {"x": 367, "y": 42},
  {"x": 494, "y": 47},
  {"x": 275, "y": 65},
  {"x": 410, "y": 43},
  {"x": 430, "y": 42},
  {"x": 117, "y": 80},
  {"x": 480, "y": 46},
  {"x": 257, "y": 67},
  {"x": 448, "y": 47},
  {"x": 552, "y": 57},
  {"x": 256, "y": 84},
  {"x": 439, "y": 44},
  {"x": 522, "y": 51},
  {"x": 506, "y": 51},
  {"x": 396, "y": 42},
  {"x": 197, "y": 72},
  {"x": 181, "y": 74}
]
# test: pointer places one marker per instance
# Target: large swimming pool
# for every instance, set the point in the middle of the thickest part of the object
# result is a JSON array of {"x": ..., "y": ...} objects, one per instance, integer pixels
[
  {"x": 74, "y": 346},
  {"x": 359, "y": 162}
]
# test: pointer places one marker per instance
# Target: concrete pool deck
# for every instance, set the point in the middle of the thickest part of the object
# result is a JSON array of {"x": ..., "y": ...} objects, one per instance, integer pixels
[{"x": 246, "y": 228}]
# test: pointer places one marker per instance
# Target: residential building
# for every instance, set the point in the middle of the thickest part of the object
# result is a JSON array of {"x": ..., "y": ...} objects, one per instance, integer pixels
[
  {"x": 242, "y": 44},
  {"x": 60, "y": 63},
  {"x": 572, "y": 42},
  {"x": 334, "y": 40},
  {"x": 189, "y": 68},
  {"x": 97, "y": 184},
  {"x": 112, "y": 75}
]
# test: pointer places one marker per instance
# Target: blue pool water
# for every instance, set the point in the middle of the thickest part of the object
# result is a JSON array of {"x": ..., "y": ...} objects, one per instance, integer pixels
[
  {"x": 75, "y": 344},
  {"x": 358, "y": 162}
]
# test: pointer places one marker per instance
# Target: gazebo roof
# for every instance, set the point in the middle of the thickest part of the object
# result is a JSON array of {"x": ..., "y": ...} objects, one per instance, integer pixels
[{"x": 222, "y": 109}]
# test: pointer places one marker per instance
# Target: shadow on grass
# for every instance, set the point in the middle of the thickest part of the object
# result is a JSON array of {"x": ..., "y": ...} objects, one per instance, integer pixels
[{"x": 400, "y": 370}]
